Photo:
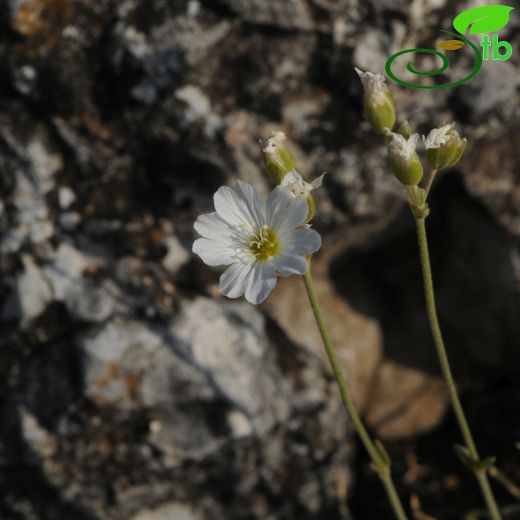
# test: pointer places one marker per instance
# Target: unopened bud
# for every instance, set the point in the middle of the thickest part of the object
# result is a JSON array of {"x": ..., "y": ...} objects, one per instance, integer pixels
[
  {"x": 405, "y": 129},
  {"x": 444, "y": 147},
  {"x": 379, "y": 103},
  {"x": 278, "y": 159},
  {"x": 404, "y": 161}
]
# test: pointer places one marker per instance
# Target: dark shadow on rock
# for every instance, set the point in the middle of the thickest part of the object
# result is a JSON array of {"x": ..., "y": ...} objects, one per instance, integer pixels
[{"x": 477, "y": 296}]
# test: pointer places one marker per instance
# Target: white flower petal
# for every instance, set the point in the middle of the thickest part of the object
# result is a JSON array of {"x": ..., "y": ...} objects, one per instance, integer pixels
[
  {"x": 273, "y": 143},
  {"x": 284, "y": 210},
  {"x": 213, "y": 252},
  {"x": 212, "y": 226},
  {"x": 304, "y": 241},
  {"x": 438, "y": 136},
  {"x": 371, "y": 82},
  {"x": 231, "y": 208},
  {"x": 294, "y": 182},
  {"x": 287, "y": 264},
  {"x": 296, "y": 214},
  {"x": 316, "y": 183},
  {"x": 234, "y": 280},
  {"x": 401, "y": 146},
  {"x": 261, "y": 282},
  {"x": 277, "y": 204},
  {"x": 253, "y": 201}
]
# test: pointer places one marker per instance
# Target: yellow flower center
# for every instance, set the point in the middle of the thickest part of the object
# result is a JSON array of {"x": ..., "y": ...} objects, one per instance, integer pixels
[{"x": 264, "y": 244}]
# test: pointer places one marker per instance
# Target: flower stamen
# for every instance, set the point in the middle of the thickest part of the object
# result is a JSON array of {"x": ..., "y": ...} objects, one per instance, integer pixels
[{"x": 264, "y": 244}]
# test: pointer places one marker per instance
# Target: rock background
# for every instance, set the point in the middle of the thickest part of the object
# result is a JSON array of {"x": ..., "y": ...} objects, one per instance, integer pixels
[{"x": 129, "y": 389}]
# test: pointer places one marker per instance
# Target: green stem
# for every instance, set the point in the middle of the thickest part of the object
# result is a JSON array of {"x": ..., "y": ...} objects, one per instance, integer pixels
[
  {"x": 446, "y": 370},
  {"x": 431, "y": 177},
  {"x": 380, "y": 461}
]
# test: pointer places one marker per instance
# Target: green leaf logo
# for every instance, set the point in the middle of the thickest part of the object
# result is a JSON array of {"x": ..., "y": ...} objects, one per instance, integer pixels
[{"x": 489, "y": 18}]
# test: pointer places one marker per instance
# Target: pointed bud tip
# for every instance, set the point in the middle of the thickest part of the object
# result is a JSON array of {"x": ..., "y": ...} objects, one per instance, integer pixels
[
  {"x": 278, "y": 159},
  {"x": 378, "y": 102},
  {"x": 405, "y": 129}
]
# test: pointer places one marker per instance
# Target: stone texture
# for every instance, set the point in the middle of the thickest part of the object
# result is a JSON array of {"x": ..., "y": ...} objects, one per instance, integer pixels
[
  {"x": 128, "y": 387},
  {"x": 357, "y": 339},
  {"x": 405, "y": 402}
]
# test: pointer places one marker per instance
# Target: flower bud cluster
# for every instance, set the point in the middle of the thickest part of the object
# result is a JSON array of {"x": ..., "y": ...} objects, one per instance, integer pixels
[{"x": 443, "y": 146}]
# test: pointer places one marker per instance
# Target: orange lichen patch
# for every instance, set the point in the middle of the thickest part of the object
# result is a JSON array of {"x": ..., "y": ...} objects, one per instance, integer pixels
[
  {"x": 41, "y": 22},
  {"x": 451, "y": 45}
]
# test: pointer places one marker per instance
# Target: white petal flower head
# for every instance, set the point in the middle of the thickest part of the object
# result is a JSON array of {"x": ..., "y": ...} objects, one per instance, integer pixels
[
  {"x": 298, "y": 187},
  {"x": 373, "y": 84},
  {"x": 438, "y": 136},
  {"x": 401, "y": 146},
  {"x": 258, "y": 239},
  {"x": 403, "y": 158}
]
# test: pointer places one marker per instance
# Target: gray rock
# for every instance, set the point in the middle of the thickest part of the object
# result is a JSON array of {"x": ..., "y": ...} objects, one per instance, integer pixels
[
  {"x": 294, "y": 14},
  {"x": 128, "y": 387},
  {"x": 32, "y": 294},
  {"x": 239, "y": 367},
  {"x": 170, "y": 511}
]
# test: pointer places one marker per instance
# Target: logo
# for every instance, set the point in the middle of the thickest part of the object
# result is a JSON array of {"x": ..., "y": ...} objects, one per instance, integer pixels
[{"x": 478, "y": 21}]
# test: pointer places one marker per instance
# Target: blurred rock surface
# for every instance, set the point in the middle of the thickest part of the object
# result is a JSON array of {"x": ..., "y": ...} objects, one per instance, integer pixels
[{"x": 127, "y": 389}]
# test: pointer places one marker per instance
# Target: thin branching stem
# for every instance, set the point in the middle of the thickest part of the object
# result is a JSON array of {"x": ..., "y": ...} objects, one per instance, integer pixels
[
  {"x": 478, "y": 469},
  {"x": 380, "y": 460}
]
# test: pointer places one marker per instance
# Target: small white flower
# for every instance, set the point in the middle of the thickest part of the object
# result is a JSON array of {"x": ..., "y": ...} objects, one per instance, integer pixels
[
  {"x": 400, "y": 146},
  {"x": 274, "y": 142},
  {"x": 298, "y": 187},
  {"x": 258, "y": 239},
  {"x": 373, "y": 84},
  {"x": 403, "y": 158},
  {"x": 438, "y": 136}
]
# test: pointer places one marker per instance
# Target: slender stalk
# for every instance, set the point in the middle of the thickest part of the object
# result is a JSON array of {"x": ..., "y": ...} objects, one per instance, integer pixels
[
  {"x": 380, "y": 461},
  {"x": 480, "y": 473},
  {"x": 431, "y": 178}
]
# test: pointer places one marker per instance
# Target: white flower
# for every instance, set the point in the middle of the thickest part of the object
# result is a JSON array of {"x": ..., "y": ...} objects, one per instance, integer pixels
[
  {"x": 374, "y": 84},
  {"x": 444, "y": 147},
  {"x": 298, "y": 187},
  {"x": 258, "y": 239},
  {"x": 401, "y": 146},
  {"x": 438, "y": 136},
  {"x": 274, "y": 142},
  {"x": 403, "y": 158}
]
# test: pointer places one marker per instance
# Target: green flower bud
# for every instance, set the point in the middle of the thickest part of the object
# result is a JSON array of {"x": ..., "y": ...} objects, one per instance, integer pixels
[
  {"x": 277, "y": 158},
  {"x": 404, "y": 161},
  {"x": 405, "y": 129},
  {"x": 379, "y": 103},
  {"x": 444, "y": 147}
]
